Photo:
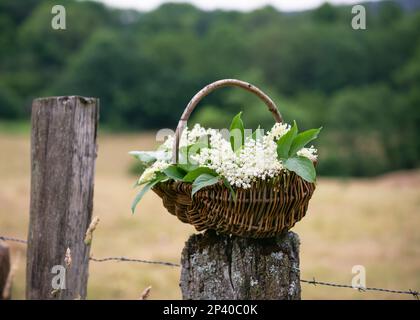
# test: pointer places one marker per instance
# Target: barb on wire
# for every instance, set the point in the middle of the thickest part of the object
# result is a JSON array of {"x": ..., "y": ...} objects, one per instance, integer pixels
[
  {"x": 314, "y": 282},
  {"x": 415, "y": 294}
]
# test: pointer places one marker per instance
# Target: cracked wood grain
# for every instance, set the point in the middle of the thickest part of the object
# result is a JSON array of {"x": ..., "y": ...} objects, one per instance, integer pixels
[{"x": 63, "y": 153}]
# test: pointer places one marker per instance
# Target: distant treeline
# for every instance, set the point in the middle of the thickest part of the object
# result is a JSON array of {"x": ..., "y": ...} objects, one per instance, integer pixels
[{"x": 363, "y": 86}]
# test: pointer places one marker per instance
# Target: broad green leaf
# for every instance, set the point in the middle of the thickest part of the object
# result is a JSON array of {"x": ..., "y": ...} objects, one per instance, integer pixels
[
  {"x": 198, "y": 145},
  {"x": 192, "y": 175},
  {"x": 174, "y": 172},
  {"x": 285, "y": 142},
  {"x": 187, "y": 167},
  {"x": 183, "y": 156},
  {"x": 144, "y": 190},
  {"x": 257, "y": 133},
  {"x": 302, "y": 139},
  {"x": 202, "y": 181},
  {"x": 232, "y": 192},
  {"x": 162, "y": 155},
  {"x": 237, "y": 132},
  {"x": 302, "y": 166},
  {"x": 150, "y": 156},
  {"x": 143, "y": 156}
]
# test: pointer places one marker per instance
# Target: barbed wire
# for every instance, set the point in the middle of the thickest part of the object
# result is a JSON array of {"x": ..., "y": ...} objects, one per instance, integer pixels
[
  {"x": 413, "y": 293},
  {"x": 11, "y": 239},
  {"x": 314, "y": 282},
  {"x": 125, "y": 259}
]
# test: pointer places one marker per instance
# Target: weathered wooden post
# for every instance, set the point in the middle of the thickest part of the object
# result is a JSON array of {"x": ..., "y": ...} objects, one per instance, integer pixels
[
  {"x": 229, "y": 267},
  {"x": 4, "y": 270},
  {"x": 63, "y": 153}
]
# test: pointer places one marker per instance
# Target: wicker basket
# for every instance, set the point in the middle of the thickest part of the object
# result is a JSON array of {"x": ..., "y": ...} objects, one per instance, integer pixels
[{"x": 264, "y": 210}]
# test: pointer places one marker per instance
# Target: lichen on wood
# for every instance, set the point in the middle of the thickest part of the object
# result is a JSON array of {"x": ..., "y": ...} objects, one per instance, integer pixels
[{"x": 229, "y": 267}]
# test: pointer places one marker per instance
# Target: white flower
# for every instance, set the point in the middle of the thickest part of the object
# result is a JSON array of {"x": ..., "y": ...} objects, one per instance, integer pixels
[
  {"x": 188, "y": 137},
  {"x": 310, "y": 153},
  {"x": 150, "y": 173},
  {"x": 256, "y": 160},
  {"x": 278, "y": 130}
]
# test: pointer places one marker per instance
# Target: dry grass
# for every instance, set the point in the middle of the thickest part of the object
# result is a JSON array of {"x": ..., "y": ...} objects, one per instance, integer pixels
[{"x": 374, "y": 223}]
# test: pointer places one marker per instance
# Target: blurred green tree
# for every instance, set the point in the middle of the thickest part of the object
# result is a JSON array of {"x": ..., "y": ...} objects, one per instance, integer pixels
[{"x": 362, "y": 86}]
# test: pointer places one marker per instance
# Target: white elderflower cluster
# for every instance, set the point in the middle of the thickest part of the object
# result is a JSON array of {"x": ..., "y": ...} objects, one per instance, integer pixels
[
  {"x": 278, "y": 130},
  {"x": 150, "y": 173},
  {"x": 256, "y": 160},
  {"x": 188, "y": 137},
  {"x": 310, "y": 153}
]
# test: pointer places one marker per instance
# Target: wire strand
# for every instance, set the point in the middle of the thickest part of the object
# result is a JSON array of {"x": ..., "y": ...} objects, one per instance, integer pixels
[
  {"x": 125, "y": 259},
  {"x": 314, "y": 282},
  {"x": 415, "y": 294},
  {"x": 11, "y": 239}
]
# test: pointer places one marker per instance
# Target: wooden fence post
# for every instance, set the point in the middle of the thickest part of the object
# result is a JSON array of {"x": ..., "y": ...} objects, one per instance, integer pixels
[
  {"x": 63, "y": 153},
  {"x": 229, "y": 267},
  {"x": 4, "y": 269}
]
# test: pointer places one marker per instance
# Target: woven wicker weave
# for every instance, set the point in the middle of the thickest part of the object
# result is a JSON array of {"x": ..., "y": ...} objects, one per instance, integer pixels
[{"x": 264, "y": 210}]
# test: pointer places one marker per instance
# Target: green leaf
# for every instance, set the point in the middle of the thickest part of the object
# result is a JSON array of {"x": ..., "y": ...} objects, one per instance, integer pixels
[
  {"x": 237, "y": 132},
  {"x": 202, "y": 181},
  {"x": 143, "y": 156},
  {"x": 232, "y": 192},
  {"x": 285, "y": 142},
  {"x": 150, "y": 156},
  {"x": 174, "y": 172},
  {"x": 302, "y": 166},
  {"x": 192, "y": 175},
  {"x": 198, "y": 146},
  {"x": 187, "y": 167},
  {"x": 257, "y": 133},
  {"x": 144, "y": 190},
  {"x": 302, "y": 139},
  {"x": 183, "y": 156}
]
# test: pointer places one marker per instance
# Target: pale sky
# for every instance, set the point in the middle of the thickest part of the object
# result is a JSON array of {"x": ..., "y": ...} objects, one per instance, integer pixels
[{"x": 243, "y": 5}]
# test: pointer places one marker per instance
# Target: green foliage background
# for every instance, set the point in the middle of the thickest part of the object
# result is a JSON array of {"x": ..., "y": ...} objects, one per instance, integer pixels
[{"x": 363, "y": 87}]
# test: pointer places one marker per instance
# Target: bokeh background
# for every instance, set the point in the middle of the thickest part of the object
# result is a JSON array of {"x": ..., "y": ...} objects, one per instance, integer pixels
[{"x": 362, "y": 86}]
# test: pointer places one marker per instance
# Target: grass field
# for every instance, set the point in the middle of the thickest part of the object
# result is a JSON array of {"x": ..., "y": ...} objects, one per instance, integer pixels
[{"x": 373, "y": 222}]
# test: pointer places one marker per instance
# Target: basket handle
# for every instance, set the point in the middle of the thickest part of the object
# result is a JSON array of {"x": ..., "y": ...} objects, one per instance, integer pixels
[{"x": 204, "y": 92}]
